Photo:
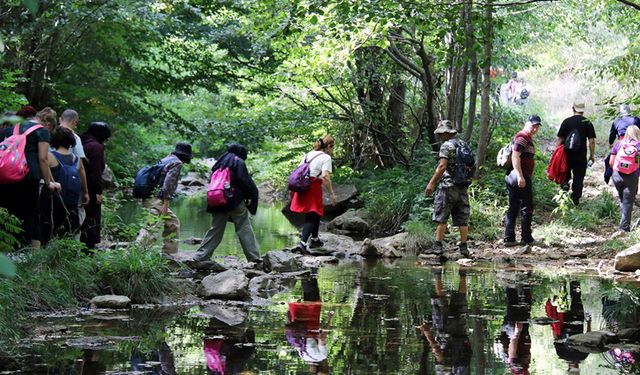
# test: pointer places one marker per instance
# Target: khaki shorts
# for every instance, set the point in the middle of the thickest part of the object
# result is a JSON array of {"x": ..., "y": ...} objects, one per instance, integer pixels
[{"x": 452, "y": 201}]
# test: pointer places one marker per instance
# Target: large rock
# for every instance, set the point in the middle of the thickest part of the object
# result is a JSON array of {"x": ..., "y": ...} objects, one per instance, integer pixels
[
  {"x": 391, "y": 247},
  {"x": 352, "y": 221},
  {"x": 268, "y": 193},
  {"x": 111, "y": 301},
  {"x": 629, "y": 259},
  {"x": 280, "y": 261},
  {"x": 231, "y": 284},
  {"x": 193, "y": 179},
  {"x": 229, "y": 315},
  {"x": 108, "y": 180},
  {"x": 339, "y": 244},
  {"x": 595, "y": 341},
  {"x": 344, "y": 195}
]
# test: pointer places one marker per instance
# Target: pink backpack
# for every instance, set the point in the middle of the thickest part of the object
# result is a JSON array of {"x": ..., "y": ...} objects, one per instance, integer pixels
[
  {"x": 13, "y": 162},
  {"x": 219, "y": 190},
  {"x": 626, "y": 160}
]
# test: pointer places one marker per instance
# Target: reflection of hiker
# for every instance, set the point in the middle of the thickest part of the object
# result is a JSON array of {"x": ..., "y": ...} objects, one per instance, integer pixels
[
  {"x": 447, "y": 333},
  {"x": 228, "y": 350},
  {"x": 303, "y": 330},
  {"x": 624, "y": 359},
  {"x": 90, "y": 363},
  {"x": 514, "y": 337},
  {"x": 570, "y": 316},
  {"x": 577, "y": 134},
  {"x": 624, "y": 161},
  {"x": 163, "y": 357}
]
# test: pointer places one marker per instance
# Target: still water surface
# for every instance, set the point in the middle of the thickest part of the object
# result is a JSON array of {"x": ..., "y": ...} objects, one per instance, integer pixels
[{"x": 353, "y": 318}]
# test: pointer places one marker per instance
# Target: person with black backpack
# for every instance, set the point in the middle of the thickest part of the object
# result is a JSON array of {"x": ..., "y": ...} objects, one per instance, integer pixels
[
  {"x": 455, "y": 169},
  {"x": 576, "y": 133},
  {"x": 167, "y": 180}
]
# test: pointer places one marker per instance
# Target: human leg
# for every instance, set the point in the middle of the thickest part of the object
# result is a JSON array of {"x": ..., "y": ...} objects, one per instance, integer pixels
[
  {"x": 526, "y": 211},
  {"x": 213, "y": 236},
  {"x": 628, "y": 196},
  {"x": 512, "y": 214},
  {"x": 170, "y": 233},
  {"x": 577, "y": 164},
  {"x": 240, "y": 217}
]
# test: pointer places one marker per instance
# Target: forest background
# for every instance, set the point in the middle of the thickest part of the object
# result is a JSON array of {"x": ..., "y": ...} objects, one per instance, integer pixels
[{"x": 378, "y": 75}]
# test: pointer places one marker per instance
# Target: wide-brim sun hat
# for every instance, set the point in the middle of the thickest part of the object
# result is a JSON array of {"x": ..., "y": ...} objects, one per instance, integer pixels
[
  {"x": 445, "y": 126},
  {"x": 579, "y": 106},
  {"x": 184, "y": 150}
]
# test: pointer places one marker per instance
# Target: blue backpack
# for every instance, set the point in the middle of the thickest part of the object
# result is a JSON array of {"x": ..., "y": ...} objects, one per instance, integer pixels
[
  {"x": 147, "y": 179},
  {"x": 69, "y": 179}
]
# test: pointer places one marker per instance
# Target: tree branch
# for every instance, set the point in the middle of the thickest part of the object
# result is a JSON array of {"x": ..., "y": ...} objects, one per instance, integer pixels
[{"x": 630, "y": 3}]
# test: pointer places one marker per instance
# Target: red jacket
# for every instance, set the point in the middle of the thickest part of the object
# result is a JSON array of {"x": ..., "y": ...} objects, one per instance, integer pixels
[{"x": 557, "y": 168}]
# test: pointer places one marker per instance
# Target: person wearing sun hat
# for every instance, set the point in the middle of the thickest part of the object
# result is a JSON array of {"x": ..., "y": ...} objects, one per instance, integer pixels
[
  {"x": 450, "y": 199},
  {"x": 576, "y": 132}
]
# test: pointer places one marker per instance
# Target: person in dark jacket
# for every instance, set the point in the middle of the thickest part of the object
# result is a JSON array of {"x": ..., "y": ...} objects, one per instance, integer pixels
[
  {"x": 93, "y": 143},
  {"x": 237, "y": 209}
]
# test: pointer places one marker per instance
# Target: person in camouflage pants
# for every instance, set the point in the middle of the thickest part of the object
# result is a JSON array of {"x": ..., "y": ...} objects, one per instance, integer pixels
[{"x": 450, "y": 199}]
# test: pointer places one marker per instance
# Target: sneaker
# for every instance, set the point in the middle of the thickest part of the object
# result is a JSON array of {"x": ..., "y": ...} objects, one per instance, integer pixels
[
  {"x": 301, "y": 248},
  {"x": 315, "y": 243},
  {"x": 565, "y": 187},
  {"x": 437, "y": 248},
  {"x": 510, "y": 243},
  {"x": 464, "y": 249}
]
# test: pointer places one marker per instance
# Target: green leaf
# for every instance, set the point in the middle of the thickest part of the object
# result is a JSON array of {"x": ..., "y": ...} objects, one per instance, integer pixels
[
  {"x": 32, "y": 5},
  {"x": 314, "y": 19},
  {"x": 7, "y": 268}
]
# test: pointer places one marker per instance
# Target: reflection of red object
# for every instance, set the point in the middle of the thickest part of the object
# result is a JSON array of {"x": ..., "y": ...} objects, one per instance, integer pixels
[
  {"x": 552, "y": 312},
  {"x": 307, "y": 313},
  {"x": 215, "y": 360},
  {"x": 310, "y": 200}
]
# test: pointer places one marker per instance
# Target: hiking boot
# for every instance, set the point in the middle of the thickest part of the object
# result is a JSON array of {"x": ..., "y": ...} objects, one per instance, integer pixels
[
  {"x": 464, "y": 250},
  {"x": 315, "y": 243},
  {"x": 301, "y": 248},
  {"x": 437, "y": 248},
  {"x": 510, "y": 243},
  {"x": 530, "y": 242}
]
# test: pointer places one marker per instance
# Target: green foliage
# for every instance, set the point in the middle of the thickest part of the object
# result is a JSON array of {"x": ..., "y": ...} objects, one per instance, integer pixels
[
  {"x": 9, "y": 99},
  {"x": 141, "y": 274},
  {"x": 9, "y": 228},
  {"x": 593, "y": 213}
]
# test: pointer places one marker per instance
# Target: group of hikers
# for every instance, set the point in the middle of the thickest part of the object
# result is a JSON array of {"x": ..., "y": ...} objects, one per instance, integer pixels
[
  {"x": 62, "y": 191},
  {"x": 51, "y": 177},
  {"x": 575, "y": 138}
]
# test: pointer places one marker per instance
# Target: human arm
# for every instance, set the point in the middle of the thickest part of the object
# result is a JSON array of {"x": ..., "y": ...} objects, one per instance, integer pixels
[
  {"x": 326, "y": 180},
  {"x": 83, "y": 183},
  {"x": 440, "y": 169},
  {"x": 45, "y": 171},
  {"x": 613, "y": 134},
  {"x": 248, "y": 186},
  {"x": 170, "y": 183},
  {"x": 592, "y": 149},
  {"x": 516, "y": 157}
]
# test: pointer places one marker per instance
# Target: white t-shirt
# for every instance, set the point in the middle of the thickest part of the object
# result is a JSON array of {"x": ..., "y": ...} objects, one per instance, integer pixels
[
  {"x": 318, "y": 165},
  {"x": 78, "y": 150}
]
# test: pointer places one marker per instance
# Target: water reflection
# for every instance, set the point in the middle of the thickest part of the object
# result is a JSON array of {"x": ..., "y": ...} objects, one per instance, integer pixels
[
  {"x": 447, "y": 332},
  {"x": 227, "y": 349},
  {"x": 303, "y": 329},
  {"x": 514, "y": 340},
  {"x": 158, "y": 362}
]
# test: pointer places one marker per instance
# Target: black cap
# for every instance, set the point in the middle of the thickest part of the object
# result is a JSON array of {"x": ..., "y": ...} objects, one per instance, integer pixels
[{"x": 535, "y": 120}]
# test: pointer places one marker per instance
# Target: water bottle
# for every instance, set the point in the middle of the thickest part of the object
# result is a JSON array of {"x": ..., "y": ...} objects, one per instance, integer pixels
[{"x": 228, "y": 192}]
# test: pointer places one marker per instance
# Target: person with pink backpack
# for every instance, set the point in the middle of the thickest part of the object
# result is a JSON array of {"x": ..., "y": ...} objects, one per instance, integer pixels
[
  {"x": 24, "y": 150},
  {"x": 624, "y": 161},
  {"x": 232, "y": 196}
]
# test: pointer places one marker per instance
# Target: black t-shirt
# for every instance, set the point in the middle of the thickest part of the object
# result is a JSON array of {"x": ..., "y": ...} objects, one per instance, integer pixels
[
  {"x": 584, "y": 126},
  {"x": 31, "y": 148}
]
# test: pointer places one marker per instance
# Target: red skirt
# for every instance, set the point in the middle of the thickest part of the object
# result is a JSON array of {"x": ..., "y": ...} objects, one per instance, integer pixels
[{"x": 310, "y": 200}]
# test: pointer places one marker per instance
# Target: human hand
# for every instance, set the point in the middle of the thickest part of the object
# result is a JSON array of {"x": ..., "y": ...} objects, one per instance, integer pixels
[
  {"x": 99, "y": 198},
  {"x": 521, "y": 182},
  {"x": 85, "y": 199},
  {"x": 429, "y": 189},
  {"x": 54, "y": 186},
  {"x": 333, "y": 199}
]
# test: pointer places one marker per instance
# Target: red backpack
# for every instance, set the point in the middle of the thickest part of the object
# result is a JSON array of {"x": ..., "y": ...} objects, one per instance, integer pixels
[{"x": 13, "y": 162}]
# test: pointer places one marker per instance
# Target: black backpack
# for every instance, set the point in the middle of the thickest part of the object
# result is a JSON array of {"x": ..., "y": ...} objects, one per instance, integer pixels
[
  {"x": 465, "y": 164},
  {"x": 574, "y": 142},
  {"x": 147, "y": 179}
]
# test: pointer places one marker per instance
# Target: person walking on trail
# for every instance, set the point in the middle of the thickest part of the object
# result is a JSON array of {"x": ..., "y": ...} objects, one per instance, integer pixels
[
  {"x": 577, "y": 133},
  {"x": 21, "y": 198},
  {"x": 519, "y": 183},
  {"x": 69, "y": 119},
  {"x": 310, "y": 202},
  {"x": 450, "y": 199},
  {"x": 620, "y": 125},
  {"x": 168, "y": 182},
  {"x": 624, "y": 161},
  {"x": 243, "y": 201},
  {"x": 93, "y": 144}
]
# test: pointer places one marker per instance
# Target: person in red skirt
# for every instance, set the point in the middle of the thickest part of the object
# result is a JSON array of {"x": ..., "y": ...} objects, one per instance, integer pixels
[{"x": 310, "y": 202}]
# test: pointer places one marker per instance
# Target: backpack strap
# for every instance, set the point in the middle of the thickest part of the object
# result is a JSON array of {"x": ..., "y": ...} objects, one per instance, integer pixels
[
  {"x": 16, "y": 129},
  {"x": 305, "y": 157},
  {"x": 57, "y": 155}
]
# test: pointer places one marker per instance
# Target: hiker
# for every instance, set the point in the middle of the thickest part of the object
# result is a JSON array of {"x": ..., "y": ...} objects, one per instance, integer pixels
[
  {"x": 576, "y": 133},
  {"x": 624, "y": 161},
  {"x": 69, "y": 120},
  {"x": 519, "y": 184},
  {"x": 450, "y": 199},
  {"x": 64, "y": 213},
  {"x": 21, "y": 198},
  {"x": 168, "y": 182},
  {"x": 310, "y": 202},
  {"x": 620, "y": 125},
  {"x": 513, "y": 88},
  {"x": 243, "y": 201},
  {"x": 93, "y": 144},
  {"x": 303, "y": 329},
  {"x": 48, "y": 118},
  {"x": 447, "y": 332}
]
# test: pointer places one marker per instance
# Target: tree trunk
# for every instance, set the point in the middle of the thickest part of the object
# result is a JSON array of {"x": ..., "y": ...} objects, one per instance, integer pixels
[
  {"x": 465, "y": 16},
  {"x": 486, "y": 87},
  {"x": 473, "y": 96}
]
